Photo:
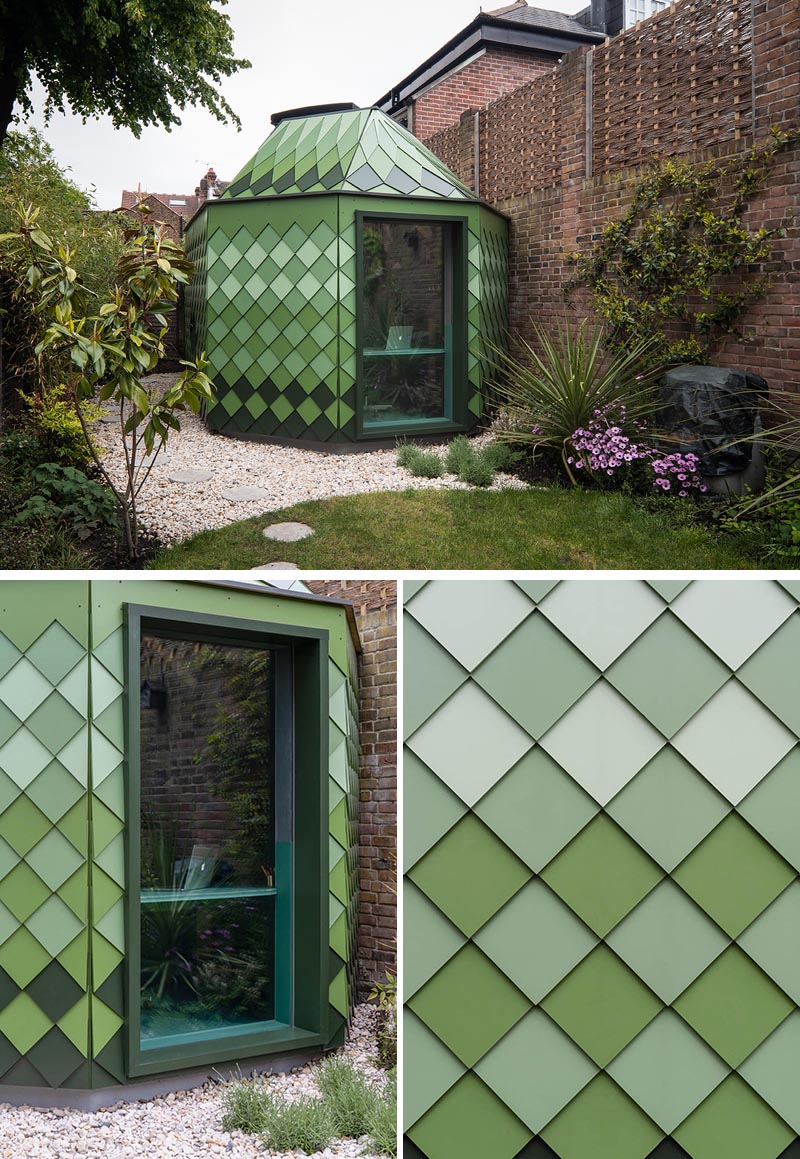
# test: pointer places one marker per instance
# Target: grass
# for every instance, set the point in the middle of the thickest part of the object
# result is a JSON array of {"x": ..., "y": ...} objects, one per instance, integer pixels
[
  {"x": 352, "y": 1101},
  {"x": 550, "y": 529}
]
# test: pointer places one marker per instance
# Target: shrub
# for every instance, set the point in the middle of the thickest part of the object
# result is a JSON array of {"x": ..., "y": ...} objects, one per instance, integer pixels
[
  {"x": 382, "y": 1128},
  {"x": 52, "y": 421},
  {"x": 387, "y": 1036},
  {"x": 246, "y": 1107},
  {"x": 423, "y": 464},
  {"x": 349, "y": 1097},
  {"x": 475, "y": 467},
  {"x": 562, "y": 389},
  {"x": 303, "y": 1125},
  {"x": 65, "y": 494}
]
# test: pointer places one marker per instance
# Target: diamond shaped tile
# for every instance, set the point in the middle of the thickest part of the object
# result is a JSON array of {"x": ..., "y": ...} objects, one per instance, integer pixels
[
  {"x": 733, "y": 1006},
  {"x": 772, "y": 1070},
  {"x": 602, "y": 874},
  {"x": 735, "y": 617},
  {"x": 23, "y": 957},
  {"x": 23, "y": 1023},
  {"x": 602, "y": 1005},
  {"x": 667, "y": 940},
  {"x": 431, "y": 675},
  {"x": 536, "y": 808},
  {"x": 773, "y": 940},
  {"x": 22, "y": 891},
  {"x": 774, "y": 805},
  {"x": 55, "y": 791},
  {"x": 470, "y": 1122},
  {"x": 470, "y": 874},
  {"x": 765, "y": 673},
  {"x": 22, "y": 825},
  {"x": 734, "y": 741},
  {"x": 430, "y": 1069},
  {"x": 54, "y": 859},
  {"x": 24, "y": 688},
  {"x": 54, "y": 991},
  {"x": 602, "y": 742},
  {"x": 536, "y": 674},
  {"x": 734, "y": 1123},
  {"x": 668, "y": 808},
  {"x": 604, "y": 618},
  {"x": 8, "y": 723},
  {"x": 23, "y": 758},
  {"x": 668, "y": 1070},
  {"x": 536, "y": 1069},
  {"x": 733, "y": 874},
  {"x": 55, "y": 653},
  {"x": 604, "y": 1123},
  {"x": 469, "y": 743},
  {"x": 535, "y": 940},
  {"x": 430, "y": 809},
  {"x": 491, "y": 608},
  {"x": 54, "y": 925},
  {"x": 9, "y": 655},
  {"x": 55, "y": 722},
  {"x": 469, "y": 982},
  {"x": 435, "y": 939},
  {"x": 668, "y": 589},
  {"x": 668, "y": 674}
]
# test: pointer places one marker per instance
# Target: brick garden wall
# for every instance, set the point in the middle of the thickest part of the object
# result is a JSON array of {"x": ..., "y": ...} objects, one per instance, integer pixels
[
  {"x": 376, "y": 612},
  {"x": 559, "y": 155}
]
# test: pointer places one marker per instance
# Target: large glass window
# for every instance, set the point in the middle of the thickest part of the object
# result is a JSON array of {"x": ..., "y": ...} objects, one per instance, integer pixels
[
  {"x": 641, "y": 9},
  {"x": 216, "y": 818},
  {"x": 407, "y": 322}
]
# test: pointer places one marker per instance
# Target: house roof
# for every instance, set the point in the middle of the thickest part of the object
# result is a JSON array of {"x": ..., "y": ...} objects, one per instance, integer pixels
[
  {"x": 182, "y": 204},
  {"x": 351, "y": 151},
  {"x": 516, "y": 25}
]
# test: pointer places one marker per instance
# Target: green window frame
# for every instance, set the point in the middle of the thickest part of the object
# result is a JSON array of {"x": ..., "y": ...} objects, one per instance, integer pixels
[
  {"x": 456, "y": 386},
  {"x": 301, "y": 706}
]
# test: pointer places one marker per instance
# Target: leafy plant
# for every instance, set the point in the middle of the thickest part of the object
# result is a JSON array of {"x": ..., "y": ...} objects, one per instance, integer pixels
[
  {"x": 51, "y": 419},
  {"x": 302, "y": 1125},
  {"x": 246, "y": 1106},
  {"x": 423, "y": 464},
  {"x": 111, "y": 347},
  {"x": 682, "y": 267},
  {"x": 349, "y": 1097},
  {"x": 385, "y": 993},
  {"x": 558, "y": 391},
  {"x": 65, "y": 494},
  {"x": 37, "y": 544},
  {"x": 382, "y": 1126}
]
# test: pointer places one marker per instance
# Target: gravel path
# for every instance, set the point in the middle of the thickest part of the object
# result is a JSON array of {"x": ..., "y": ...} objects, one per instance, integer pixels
[
  {"x": 285, "y": 475},
  {"x": 185, "y": 1125}
]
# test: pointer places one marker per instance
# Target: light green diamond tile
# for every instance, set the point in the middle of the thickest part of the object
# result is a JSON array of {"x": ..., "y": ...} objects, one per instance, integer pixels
[
  {"x": 668, "y": 808},
  {"x": 112, "y": 926},
  {"x": 604, "y": 619},
  {"x": 75, "y": 687},
  {"x": 74, "y": 756},
  {"x": 733, "y": 1006},
  {"x": 733, "y": 874},
  {"x": 602, "y": 1122},
  {"x": 469, "y": 981},
  {"x": 431, "y": 675},
  {"x": 734, "y": 1123},
  {"x": 23, "y": 1023},
  {"x": 75, "y": 892},
  {"x": 535, "y": 940},
  {"x": 434, "y": 942},
  {"x": 111, "y": 722},
  {"x": 772, "y": 1070},
  {"x": 74, "y": 958},
  {"x": 24, "y": 688},
  {"x": 55, "y": 653},
  {"x": 668, "y": 1070},
  {"x": 469, "y": 853},
  {"x": 75, "y": 826},
  {"x": 55, "y": 791},
  {"x": 602, "y": 874},
  {"x": 774, "y": 806},
  {"x": 54, "y": 859},
  {"x": 536, "y": 675},
  {"x": 105, "y": 958},
  {"x": 23, "y": 757},
  {"x": 491, "y": 608},
  {"x": 765, "y": 673},
  {"x": 470, "y": 742},
  {"x": 535, "y": 1069},
  {"x": 430, "y": 1069},
  {"x": 105, "y": 1024},
  {"x": 75, "y": 1024},
  {"x": 105, "y": 826},
  {"x": 536, "y": 808},
  {"x": 112, "y": 858},
  {"x": 105, "y": 758},
  {"x": 733, "y": 618},
  {"x": 22, "y": 957},
  {"x": 602, "y": 1005},
  {"x": 105, "y": 688},
  {"x": 773, "y": 940},
  {"x": 470, "y": 1122},
  {"x": 667, "y": 940},
  {"x": 55, "y": 722},
  {"x": 22, "y": 825},
  {"x": 431, "y": 809},
  {"x": 54, "y": 925},
  {"x": 668, "y": 589}
]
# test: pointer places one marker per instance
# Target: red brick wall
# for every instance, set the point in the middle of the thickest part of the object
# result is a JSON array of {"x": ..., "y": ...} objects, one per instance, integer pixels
[
  {"x": 497, "y": 71},
  {"x": 697, "y": 80},
  {"x": 376, "y": 612}
]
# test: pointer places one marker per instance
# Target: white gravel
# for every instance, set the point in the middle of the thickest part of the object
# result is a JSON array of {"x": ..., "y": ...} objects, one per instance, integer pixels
[
  {"x": 287, "y": 475},
  {"x": 186, "y": 1125}
]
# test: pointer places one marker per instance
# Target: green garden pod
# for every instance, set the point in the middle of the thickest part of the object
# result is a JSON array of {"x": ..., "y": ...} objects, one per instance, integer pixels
[
  {"x": 178, "y": 835},
  {"x": 349, "y": 287}
]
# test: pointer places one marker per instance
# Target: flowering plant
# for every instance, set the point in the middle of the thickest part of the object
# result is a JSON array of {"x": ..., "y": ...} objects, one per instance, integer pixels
[{"x": 603, "y": 447}]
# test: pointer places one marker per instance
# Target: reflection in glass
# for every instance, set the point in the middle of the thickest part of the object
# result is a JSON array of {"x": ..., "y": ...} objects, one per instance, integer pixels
[
  {"x": 208, "y": 888},
  {"x": 406, "y": 324}
]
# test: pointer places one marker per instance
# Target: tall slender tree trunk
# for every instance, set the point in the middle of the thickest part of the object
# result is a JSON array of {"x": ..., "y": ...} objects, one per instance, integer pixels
[{"x": 12, "y": 72}]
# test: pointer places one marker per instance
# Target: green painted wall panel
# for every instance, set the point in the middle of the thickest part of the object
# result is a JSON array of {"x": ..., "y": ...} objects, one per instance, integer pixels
[
  {"x": 62, "y": 826},
  {"x": 631, "y": 990}
]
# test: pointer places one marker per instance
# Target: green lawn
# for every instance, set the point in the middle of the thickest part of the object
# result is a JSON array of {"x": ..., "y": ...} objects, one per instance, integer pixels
[{"x": 429, "y": 530}]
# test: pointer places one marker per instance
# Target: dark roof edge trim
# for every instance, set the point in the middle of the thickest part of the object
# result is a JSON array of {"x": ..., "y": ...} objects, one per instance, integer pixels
[
  {"x": 307, "y": 597},
  {"x": 480, "y": 30},
  {"x": 454, "y": 201}
]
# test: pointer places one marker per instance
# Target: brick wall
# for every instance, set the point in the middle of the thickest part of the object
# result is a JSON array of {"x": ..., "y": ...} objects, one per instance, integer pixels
[
  {"x": 498, "y": 70},
  {"x": 559, "y": 155},
  {"x": 376, "y": 612}
]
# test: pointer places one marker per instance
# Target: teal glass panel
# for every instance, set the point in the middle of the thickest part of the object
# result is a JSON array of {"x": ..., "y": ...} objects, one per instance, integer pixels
[
  {"x": 406, "y": 330},
  {"x": 211, "y": 895}
]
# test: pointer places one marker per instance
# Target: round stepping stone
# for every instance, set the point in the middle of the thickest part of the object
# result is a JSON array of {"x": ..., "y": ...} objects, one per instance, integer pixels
[
  {"x": 160, "y": 460},
  {"x": 244, "y": 494},
  {"x": 193, "y": 475},
  {"x": 288, "y": 532},
  {"x": 278, "y": 566}
]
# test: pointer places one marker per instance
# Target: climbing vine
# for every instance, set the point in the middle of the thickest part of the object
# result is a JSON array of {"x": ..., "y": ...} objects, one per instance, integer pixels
[{"x": 681, "y": 267}]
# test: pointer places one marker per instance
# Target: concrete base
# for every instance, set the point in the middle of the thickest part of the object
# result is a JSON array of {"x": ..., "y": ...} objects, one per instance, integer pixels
[{"x": 140, "y": 1090}]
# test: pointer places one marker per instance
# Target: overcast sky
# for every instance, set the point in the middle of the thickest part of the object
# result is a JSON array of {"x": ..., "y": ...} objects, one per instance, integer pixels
[{"x": 303, "y": 53}]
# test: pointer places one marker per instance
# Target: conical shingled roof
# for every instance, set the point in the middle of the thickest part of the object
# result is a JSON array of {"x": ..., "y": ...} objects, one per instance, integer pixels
[{"x": 357, "y": 151}]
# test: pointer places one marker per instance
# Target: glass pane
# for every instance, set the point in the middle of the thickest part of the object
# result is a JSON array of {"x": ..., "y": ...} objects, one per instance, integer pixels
[
  {"x": 403, "y": 283},
  {"x": 402, "y": 387},
  {"x": 208, "y": 836}
]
